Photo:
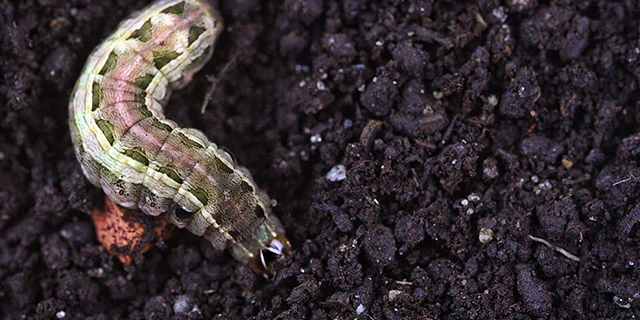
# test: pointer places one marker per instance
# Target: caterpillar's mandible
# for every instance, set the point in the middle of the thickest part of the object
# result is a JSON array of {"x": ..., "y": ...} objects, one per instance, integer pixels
[{"x": 142, "y": 160}]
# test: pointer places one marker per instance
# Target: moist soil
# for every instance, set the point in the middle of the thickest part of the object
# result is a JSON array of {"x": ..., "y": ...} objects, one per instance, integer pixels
[{"x": 430, "y": 160}]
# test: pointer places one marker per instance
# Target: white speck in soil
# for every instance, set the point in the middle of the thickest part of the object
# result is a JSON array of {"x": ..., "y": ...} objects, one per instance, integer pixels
[{"x": 337, "y": 173}]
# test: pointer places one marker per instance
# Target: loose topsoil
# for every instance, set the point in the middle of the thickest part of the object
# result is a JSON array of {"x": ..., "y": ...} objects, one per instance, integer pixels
[{"x": 491, "y": 151}]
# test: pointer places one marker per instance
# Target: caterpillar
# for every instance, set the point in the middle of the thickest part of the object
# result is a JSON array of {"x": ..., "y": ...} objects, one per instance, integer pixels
[{"x": 140, "y": 159}]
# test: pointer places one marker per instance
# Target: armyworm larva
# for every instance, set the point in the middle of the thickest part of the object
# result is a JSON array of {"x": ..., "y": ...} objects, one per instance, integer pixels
[{"x": 142, "y": 160}]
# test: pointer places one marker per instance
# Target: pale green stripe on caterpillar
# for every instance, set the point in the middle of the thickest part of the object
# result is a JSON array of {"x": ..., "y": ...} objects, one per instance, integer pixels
[{"x": 141, "y": 160}]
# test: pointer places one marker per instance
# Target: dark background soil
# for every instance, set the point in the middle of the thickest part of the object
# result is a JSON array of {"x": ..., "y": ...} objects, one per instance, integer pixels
[{"x": 493, "y": 121}]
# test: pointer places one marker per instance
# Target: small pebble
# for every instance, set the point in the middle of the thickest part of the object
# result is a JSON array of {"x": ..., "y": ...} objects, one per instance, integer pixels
[
  {"x": 566, "y": 163},
  {"x": 485, "y": 235},
  {"x": 183, "y": 304},
  {"x": 473, "y": 197},
  {"x": 393, "y": 294},
  {"x": 337, "y": 173},
  {"x": 122, "y": 231},
  {"x": 316, "y": 138}
]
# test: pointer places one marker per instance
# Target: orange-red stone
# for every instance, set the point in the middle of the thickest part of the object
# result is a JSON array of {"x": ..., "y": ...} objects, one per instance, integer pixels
[{"x": 128, "y": 233}]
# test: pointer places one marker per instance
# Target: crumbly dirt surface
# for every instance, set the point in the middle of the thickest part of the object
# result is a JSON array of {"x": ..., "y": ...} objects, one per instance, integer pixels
[{"x": 464, "y": 128}]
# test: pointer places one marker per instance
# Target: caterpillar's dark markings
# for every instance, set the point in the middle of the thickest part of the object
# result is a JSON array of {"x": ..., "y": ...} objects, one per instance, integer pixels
[
  {"x": 201, "y": 195},
  {"x": 137, "y": 154},
  {"x": 144, "y": 33},
  {"x": 189, "y": 142},
  {"x": 145, "y": 111},
  {"x": 116, "y": 185},
  {"x": 96, "y": 95},
  {"x": 234, "y": 234},
  {"x": 162, "y": 57},
  {"x": 171, "y": 173},
  {"x": 194, "y": 33},
  {"x": 140, "y": 98},
  {"x": 259, "y": 211},
  {"x": 183, "y": 215},
  {"x": 246, "y": 187},
  {"x": 162, "y": 126},
  {"x": 177, "y": 8},
  {"x": 107, "y": 130},
  {"x": 110, "y": 64},
  {"x": 222, "y": 166},
  {"x": 143, "y": 82}
]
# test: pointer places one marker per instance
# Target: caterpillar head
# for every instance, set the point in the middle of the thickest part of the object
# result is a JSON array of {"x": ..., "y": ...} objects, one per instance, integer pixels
[
  {"x": 272, "y": 257},
  {"x": 267, "y": 251}
]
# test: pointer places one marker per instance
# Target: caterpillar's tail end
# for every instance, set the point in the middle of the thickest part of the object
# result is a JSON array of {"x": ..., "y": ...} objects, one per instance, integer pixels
[{"x": 272, "y": 257}]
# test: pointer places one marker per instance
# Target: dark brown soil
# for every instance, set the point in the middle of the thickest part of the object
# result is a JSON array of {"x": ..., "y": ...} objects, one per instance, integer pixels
[{"x": 464, "y": 130}]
